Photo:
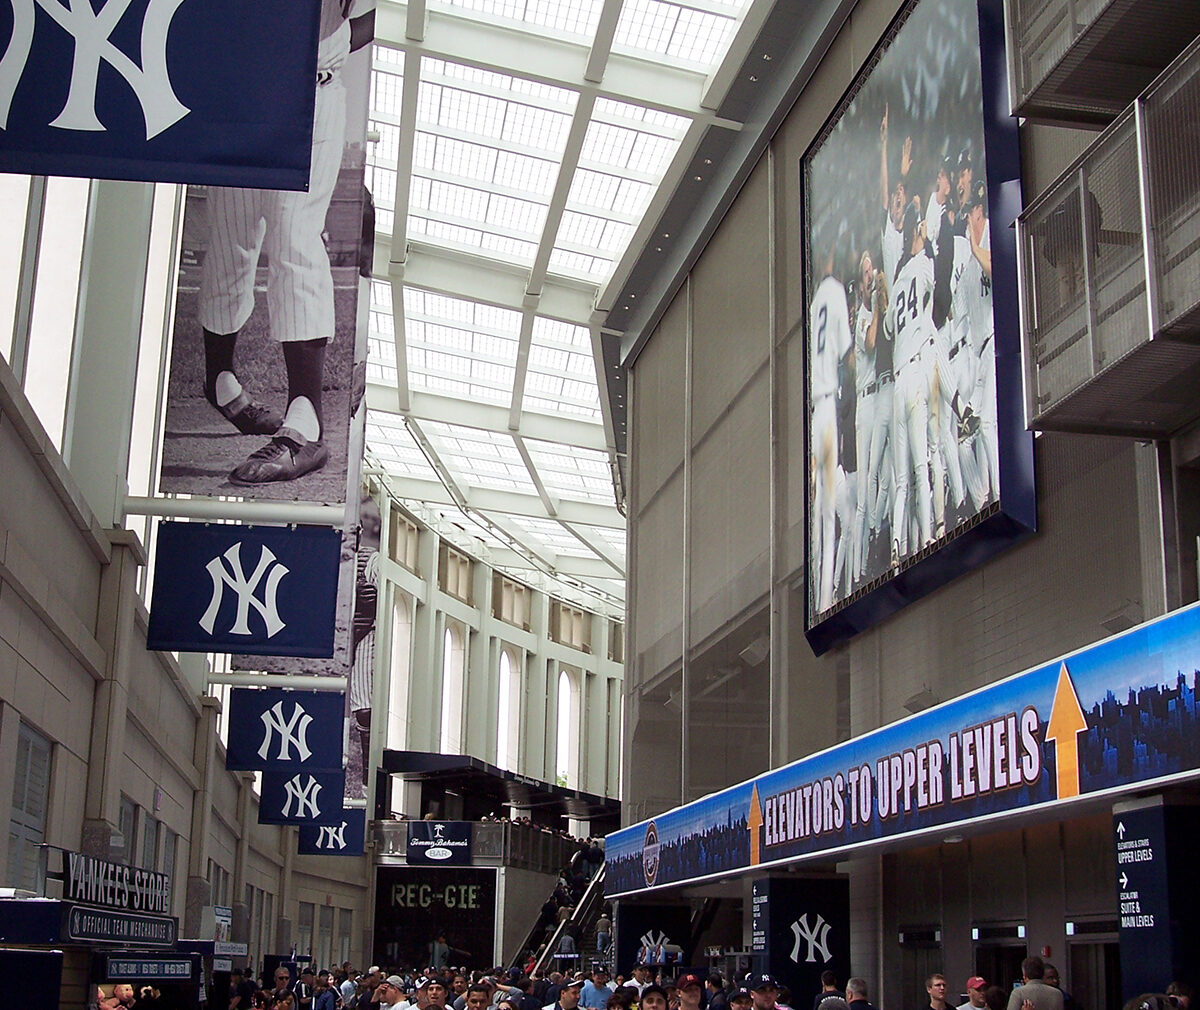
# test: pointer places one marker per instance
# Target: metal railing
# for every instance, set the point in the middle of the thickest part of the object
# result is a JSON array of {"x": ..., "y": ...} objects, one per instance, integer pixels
[
  {"x": 503, "y": 842},
  {"x": 1109, "y": 255},
  {"x": 1085, "y": 60}
]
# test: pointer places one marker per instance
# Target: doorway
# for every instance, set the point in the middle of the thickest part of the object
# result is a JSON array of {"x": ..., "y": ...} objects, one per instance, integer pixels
[{"x": 1000, "y": 963}]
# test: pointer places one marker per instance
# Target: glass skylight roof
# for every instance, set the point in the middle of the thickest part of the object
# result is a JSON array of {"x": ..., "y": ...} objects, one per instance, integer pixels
[
  {"x": 508, "y": 190},
  {"x": 579, "y": 19}
]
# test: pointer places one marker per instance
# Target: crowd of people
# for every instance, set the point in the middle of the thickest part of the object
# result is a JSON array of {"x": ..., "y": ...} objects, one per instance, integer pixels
[{"x": 648, "y": 987}]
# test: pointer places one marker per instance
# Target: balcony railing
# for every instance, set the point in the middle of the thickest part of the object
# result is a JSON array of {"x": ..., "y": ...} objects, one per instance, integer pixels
[
  {"x": 501, "y": 843},
  {"x": 1110, "y": 273},
  {"x": 1084, "y": 61}
]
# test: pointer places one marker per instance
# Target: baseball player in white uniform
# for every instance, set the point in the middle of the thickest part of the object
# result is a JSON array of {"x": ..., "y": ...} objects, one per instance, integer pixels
[
  {"x": 366, "y": 605},
  {"x": 871, "y": 303},
  {"x": 829, "y": 342},
  {"x": 911, "y": 311},
  {"x": 288, "y": 227},
  {"x": 976, "y": 283}
]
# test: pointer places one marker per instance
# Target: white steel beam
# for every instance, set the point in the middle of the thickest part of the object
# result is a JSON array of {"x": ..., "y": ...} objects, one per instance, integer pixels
[
  {"x": 425, "y": 406},
  {"x": 598, "y": 547},
  {"x": 509, "y": 502},
  {"x": 558, "y": 62},
  {"x": 491, "y": 281}
]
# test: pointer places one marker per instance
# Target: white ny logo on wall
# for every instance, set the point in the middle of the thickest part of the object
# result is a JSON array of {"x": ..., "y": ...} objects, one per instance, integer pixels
[
  {"x": 816, "y": 937},
  {"x": 92, "y": 31},
  {"x": 305, "y": 794},
  {"x": 329, "y": 837},
  {"x": 234, "y": 577},
  {"x": 292, "y": 732}
]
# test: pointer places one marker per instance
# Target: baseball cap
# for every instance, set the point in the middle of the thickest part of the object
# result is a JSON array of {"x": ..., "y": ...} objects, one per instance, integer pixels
[
  {"x": 573, "y": 983},
  {"x": 975, "y": 982},
  {"x": 760, "y": 980},
  {"x": 686, "y": 980},
  {"x": 740, "y": 993},
  {"x": 654, "y": 987},
  {"x": 373, "y": 970},
  {"x": 395, "y": 981},
  {"x": 422, "y": 982}
]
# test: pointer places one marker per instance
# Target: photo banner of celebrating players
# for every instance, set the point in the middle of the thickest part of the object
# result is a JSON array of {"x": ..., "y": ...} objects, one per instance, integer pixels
[
  {"x": 218, "y": 92},
  {"x": 267, "y": 366},
  {"x": 264, "y": 589},
  {"x": 919, "y": 464}
]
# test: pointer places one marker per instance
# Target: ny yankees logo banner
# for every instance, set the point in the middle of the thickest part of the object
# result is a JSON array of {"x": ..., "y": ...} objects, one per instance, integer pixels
[
  {"x": 301, "y": 798},
  {"x": 285, "y": 731},
  {"x": 261, "y": 589},
  {"x": 346, "y": 838},
  {"x": 203, "y": 91},
  {"x": 801, "y": 927}
]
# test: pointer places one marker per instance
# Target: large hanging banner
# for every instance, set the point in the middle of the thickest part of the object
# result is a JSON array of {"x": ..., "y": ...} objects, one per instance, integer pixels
[
  {"x": 269, "y": 589},
  {"x": 283, "y": 731},
  {"x": 1089, "y": 725},
  {"x": 263, "y": 381},
  {"x": 345, "y": 837},
  {"x": 217, "y": 92},
  {"x": 919, "y": 463},
  {"x": 301, "y": 798},
  {"x": 354, "y": 644}
]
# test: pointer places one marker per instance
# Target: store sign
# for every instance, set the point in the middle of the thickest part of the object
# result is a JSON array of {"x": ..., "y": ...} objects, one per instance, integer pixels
[
  {"x": 82, "y": 923},
  {"x": 439, "y": 843},
  {"x": 93, "y": 881},
  {"x": 141, "y": 968},
  {"x": 414, "y": 904},
  {"x": 1120, "y": 713}
]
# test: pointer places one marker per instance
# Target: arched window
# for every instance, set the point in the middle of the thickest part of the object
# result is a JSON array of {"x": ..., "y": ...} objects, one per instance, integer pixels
[
  {"x": 566, "y": 764},
  {"x": 453, "y": 675},
  {"x": 505, "y": 714},
  {"x": 397, "y": 721}
]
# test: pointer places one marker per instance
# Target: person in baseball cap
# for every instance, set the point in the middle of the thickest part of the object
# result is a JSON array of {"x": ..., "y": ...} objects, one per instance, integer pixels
[
  {"x": 741, "y": 998},
  {"x": 975, "y": 990},
  {"x": 763, "y": 989},
  {"x": 689, "y": 988}
]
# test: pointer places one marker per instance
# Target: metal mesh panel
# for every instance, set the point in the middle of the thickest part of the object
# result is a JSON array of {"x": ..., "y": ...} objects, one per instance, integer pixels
[
  {"x": 1113, "y": 251},
  {"x": 1172, "y": 123},
  {"x": 1044, "y": 32},
  {"x": 1059, "y": 339}
]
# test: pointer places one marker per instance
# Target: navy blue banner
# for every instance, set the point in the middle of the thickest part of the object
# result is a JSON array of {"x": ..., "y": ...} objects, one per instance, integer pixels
[
  {"x": 1118, "y": 714},
  {"x": 219, "y": 92},
  {"x": 284, "y": 731},
  {"x": 801, "y": 928},
  {"x": 301, "y": 798},
  {"x": 346, "y": 838},
  {"x": 268, "y": 590}
]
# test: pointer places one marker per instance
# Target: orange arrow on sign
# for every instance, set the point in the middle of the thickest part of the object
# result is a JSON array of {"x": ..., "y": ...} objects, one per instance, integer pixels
[
  {"x": 754, "y": 822},
  {"x": 1066, "y": 723}
]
